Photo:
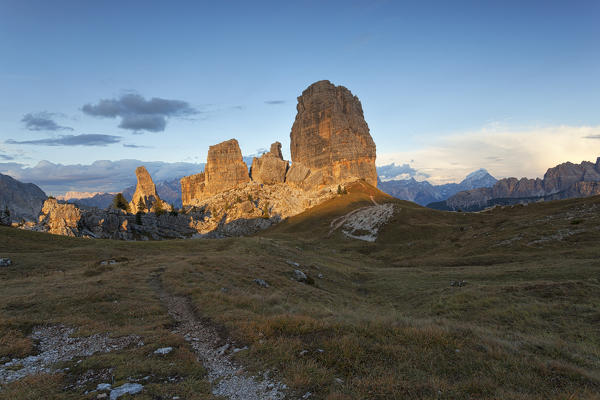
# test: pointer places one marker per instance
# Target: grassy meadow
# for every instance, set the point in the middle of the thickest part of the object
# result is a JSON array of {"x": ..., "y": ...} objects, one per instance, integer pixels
[{"x": 382, "y": 322}]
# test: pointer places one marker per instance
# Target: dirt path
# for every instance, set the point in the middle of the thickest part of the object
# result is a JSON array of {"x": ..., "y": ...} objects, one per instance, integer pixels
[{"x": 228, "y": 379}]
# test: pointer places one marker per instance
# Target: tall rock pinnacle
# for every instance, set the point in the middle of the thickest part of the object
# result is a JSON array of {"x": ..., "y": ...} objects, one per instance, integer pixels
[
  {"x": 331, "y": 138},
  {"x": 145, "y": 190}
]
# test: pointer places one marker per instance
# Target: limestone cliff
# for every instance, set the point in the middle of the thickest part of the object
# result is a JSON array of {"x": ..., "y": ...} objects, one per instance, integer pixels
[
  {"x": 331, "y": 138},
  {"x": 270, "y": 168},
  {"x": 225, "y": 169}
]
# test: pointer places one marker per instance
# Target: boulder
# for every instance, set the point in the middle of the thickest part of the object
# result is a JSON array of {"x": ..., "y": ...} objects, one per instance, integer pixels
[
  {"x": 5, "y": 262},
  {"x": 331, "y": 136},
  {"x": 276, "y": 150}
]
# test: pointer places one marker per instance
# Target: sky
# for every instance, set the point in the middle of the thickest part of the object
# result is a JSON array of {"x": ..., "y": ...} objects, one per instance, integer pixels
[{"x": 446, "y": 87}]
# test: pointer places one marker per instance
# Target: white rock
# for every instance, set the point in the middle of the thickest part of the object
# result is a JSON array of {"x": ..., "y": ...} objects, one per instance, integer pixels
[
  {"x": 128, "y": 388},
  {"x": 163, "y": 350}
]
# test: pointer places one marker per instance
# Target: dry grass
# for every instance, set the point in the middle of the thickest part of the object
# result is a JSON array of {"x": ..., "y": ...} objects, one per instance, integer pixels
[{"x": 383, "y": 322}]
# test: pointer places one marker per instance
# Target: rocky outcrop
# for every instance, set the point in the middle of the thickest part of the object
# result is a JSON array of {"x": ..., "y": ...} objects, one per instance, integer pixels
[
  {"x": 60, "y": 218},
  {"x": 564, "y": 181},
  {"x": 331, "y": 138},
  {"x": 145, "y": 193},
  {"x": 270, "y": 168},
  {"x": 23, "y": 201},
  {"x": 68, "y": 220},
  {"x": 225, "y": 169}
]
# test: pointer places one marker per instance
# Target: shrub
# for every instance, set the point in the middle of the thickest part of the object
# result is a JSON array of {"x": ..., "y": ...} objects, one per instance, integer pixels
[
  {"x": 173, "y": 211},
  {"x": 138, "y": 218},
  {"x": 265, "y": 211},
  {"x": 158, "y": 209}
]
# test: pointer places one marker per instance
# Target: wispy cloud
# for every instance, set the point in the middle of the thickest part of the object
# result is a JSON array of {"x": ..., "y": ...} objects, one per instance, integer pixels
[
  {"x": 136, "y": 146},
  {"x": 71, "y": 140},
  {"x": 274, "y": 102},
  {"x": 138, "y": 114},
  {"x": 43, "y": 121},
  {"x": 504, "y": 152}
]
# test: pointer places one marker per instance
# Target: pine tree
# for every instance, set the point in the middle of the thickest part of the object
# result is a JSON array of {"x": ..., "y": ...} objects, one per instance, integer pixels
[
  {"x": 141, "y": 206},
  {"x": 120, "y": 202}
]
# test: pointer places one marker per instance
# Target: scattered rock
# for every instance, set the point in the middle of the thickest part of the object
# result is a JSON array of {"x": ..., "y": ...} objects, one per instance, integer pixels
[
  {"x": 364, "y": 223},
  {"x": 307, "y": 395},
  {"x": 303, "y": 352},
  {"x": 292, "y": 263},
  {"x": 320, "y": 276},
  {"x": 57, "y": 345},
  {"x": 458, "y": 283},
  {"x": 5, "y": 262},
  {"x": 108, "y": 262},
  {"x": 163, "y": 350},
  {"x": 261, "y": 283},
  {"x": 102, "y": 396},
  {"x": 128, "y": 388},
  {"x": 339, "y": 381}
]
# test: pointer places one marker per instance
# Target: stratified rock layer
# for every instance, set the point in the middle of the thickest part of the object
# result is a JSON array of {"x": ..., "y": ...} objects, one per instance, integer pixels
[
  {"x": 225, "y": 169},
  {"x": 270, "y": 168},
  {"x": 331, "y": 138},
  {"x": 145, "y": 191},
  {"x": 192, "y": 187}
]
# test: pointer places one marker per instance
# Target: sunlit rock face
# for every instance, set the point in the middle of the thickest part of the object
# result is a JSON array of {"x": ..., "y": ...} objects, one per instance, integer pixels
[
  {"x": 270, "y": 168},
  {"x": 225, "y": 169},
  {"x": 331, "y": 138},
  {"x": 145, "y": 191}
]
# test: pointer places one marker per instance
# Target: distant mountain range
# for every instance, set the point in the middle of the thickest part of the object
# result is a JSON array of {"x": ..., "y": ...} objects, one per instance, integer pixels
[
  {"x": 424, "y": 192},
  {"x": 563, "y": 181}
]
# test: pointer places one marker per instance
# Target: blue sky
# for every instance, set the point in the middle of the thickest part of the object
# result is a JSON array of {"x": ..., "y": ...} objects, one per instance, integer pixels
[{"x": 447, "y": 87}]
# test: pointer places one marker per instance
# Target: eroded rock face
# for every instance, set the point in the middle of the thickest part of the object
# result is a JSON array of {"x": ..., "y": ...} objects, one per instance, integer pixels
[
  {"x": 331, "y": 138},
  {"x": 144, "y": 191},
  {"x": 21, "y": 200},
  {"x": 60, "y": 218},
  {"x": 270, "y": 168},
  {"x": 192, "y": 187},
  {"x": 225, "y": 169}
]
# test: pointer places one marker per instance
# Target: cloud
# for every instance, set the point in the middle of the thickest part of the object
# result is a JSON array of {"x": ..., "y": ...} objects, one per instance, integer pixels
[
  {"x": 138, "y": 114},
  {"x": 592, "y": 137},
  {"x": 6, "y": 157},
  {"x": 399, "y": 172},
  {"x": 102, "y": 176},
  {"x": 136, "y": 146},
  {"x": 71, "y": 140},
  {"x": 274, "y": 102},
  {"x": 503, "y": 151},
  {"x": 43, "y": 121}
]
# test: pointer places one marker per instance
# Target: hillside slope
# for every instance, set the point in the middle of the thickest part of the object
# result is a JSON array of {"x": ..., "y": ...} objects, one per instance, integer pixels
[{"x": 498, "y": 304}]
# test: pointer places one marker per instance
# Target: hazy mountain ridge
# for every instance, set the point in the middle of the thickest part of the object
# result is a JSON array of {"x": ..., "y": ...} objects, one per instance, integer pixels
[
  {"x": 424, "y": 192},
  {"x": 564, "y": 181}
]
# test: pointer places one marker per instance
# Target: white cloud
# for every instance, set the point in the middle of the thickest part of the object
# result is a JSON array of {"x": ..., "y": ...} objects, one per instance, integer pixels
[{"x": 504, "y": 152}]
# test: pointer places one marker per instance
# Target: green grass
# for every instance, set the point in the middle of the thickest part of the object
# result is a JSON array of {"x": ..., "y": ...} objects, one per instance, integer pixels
[{"x": 383, "y": 322}]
